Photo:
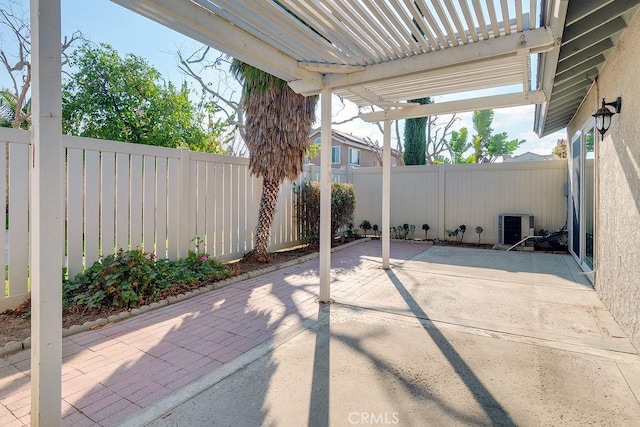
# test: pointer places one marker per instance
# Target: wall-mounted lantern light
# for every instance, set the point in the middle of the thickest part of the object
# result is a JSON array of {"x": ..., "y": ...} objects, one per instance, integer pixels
[{"x": 603, "y": 115}]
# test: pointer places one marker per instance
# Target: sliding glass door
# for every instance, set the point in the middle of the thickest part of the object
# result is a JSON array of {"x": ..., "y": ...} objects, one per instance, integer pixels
[{"x": 581, "y": 198}]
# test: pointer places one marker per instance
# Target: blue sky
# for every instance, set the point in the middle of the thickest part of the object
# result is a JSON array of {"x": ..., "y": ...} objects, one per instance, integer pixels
[{"x": 127, "y": 32}]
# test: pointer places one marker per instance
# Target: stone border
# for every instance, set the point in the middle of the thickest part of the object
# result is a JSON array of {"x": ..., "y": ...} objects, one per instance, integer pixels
[{"x": 16, "y": 346}]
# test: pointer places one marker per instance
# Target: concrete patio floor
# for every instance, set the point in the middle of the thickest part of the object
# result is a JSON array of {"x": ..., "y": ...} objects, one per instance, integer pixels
[{"x": 449, "y": 336}]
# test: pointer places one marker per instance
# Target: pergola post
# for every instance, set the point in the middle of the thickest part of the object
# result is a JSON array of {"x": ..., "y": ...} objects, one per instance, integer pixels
[
  {"x": 46, "y": 215},
  {"x": 325, "y": 196},
  {"x": 386, "y": 194}
]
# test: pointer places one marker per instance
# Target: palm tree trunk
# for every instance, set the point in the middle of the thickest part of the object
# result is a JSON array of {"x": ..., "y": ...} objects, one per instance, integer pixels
[{"x": 268, "y": 201}]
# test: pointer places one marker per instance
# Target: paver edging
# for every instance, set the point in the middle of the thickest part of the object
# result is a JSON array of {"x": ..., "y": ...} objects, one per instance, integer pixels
[{"x": 17, "y": 346}]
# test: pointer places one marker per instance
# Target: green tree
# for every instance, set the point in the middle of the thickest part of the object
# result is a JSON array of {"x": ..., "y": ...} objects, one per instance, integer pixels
[
  {"x": 125, "y": 99},
  {"x": 486, "y": 145},
  {"x": 560, "y": 151},
  {"x": 458, "y": 145},
  {"x": 415, "y": 137},
  {"x": 277, "y": 127}
]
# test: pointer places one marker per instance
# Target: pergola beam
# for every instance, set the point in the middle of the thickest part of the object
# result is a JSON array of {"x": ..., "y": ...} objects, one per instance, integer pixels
[
  {"x": 531, "y": 41},
  {"x": 480, "y": 103}
]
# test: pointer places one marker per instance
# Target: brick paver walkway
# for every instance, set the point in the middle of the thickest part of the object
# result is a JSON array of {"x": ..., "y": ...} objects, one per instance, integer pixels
[{"x": 110, "y": 373}]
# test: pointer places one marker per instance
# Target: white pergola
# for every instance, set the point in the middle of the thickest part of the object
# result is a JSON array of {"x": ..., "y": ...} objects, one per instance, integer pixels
[{"x": 372, "y": 52}]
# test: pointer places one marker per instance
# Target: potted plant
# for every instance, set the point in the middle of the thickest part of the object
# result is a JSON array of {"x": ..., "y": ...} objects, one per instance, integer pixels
[
  {"x": 426, "y": 228},
  {"x": 479, "y": 231},
  {"x": 460, "y": 233},
  {"x": 366, "y": 226}
]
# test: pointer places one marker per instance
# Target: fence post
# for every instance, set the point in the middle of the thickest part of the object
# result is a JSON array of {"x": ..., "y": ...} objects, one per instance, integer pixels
[
  {"x": 184, "y": 204},
  {"x": 441, "y": 200}
]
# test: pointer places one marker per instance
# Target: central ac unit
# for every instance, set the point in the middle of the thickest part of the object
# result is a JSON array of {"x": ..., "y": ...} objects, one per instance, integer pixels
[{"x": 512, "y": 228}]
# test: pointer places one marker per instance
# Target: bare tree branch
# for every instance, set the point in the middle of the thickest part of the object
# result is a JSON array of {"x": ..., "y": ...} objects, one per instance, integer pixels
[{"x": 18, "y": 65}]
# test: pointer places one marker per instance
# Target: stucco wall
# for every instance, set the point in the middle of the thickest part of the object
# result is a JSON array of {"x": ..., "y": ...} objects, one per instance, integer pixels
[{"x": 618, "y": 162}]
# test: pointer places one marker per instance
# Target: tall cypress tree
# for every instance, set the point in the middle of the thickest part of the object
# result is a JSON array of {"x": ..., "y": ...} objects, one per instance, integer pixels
[{"x": 415, "y": 137}]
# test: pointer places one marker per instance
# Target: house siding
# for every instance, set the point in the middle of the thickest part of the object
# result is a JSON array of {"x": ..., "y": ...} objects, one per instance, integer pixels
[
  {"x": 367, "y": 157},
  {"x": 617, "y": 277}
]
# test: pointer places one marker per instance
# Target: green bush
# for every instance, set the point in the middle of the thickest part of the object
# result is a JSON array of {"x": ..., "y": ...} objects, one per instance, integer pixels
[
  {"x": 123, "y": 279},
  {"x": 343, "y": 203}
]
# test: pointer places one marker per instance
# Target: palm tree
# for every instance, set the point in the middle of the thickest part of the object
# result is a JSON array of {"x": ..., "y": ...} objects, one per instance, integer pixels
[
  {"x": 8, "y": 109},
  {"x": 278, "y": 123}
]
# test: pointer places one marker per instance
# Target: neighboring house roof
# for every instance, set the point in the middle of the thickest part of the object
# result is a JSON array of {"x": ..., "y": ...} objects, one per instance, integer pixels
[
  {"x": 352, "y": 140},
  {"x": 586, "y": 32},
  {"x": 528, "y": 157}
]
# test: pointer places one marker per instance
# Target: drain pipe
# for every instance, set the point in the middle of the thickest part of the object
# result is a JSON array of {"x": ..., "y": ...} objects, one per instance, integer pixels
[{"x": 524, "y": 240}]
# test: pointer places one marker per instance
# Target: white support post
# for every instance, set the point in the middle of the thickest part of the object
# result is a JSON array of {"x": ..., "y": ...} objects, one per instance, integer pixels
[
  {"x": 386, "y": 194},
  {"x": 325, "y": 196},
  {"x": 46, "y": 215}
]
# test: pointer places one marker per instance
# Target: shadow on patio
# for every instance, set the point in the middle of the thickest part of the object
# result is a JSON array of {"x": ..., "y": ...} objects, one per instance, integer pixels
[{"x": 383, "y": 355}]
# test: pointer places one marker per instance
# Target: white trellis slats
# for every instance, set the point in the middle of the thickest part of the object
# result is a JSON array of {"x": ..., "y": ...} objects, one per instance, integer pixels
[
  {"x": 453, "y": 39},
  {"x": 337, "y": 30},
  {"x": 381, "y": 25},
  {"x": 457, "y": 22},
  {"x": 505, "y": 17},
  {"x": 264, "y": 21},
  {"x": 495, "y": 27},
  {"x": 393, "y": 24},
  {"x": 519, "y": 16},
  {"x": 468, "y": 19},
  {"x": 404, "y": 26},
  {"x": 426, "y": 14},
  {"x": 343, "y": 46},
  {"x": 481, "y": 20},
  {"x": 533, "y": 5}
]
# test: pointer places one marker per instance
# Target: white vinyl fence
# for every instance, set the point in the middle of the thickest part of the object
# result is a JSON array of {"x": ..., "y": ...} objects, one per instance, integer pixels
[
  {"x": 120, "y": 195},
  {"x": 167, "y": 201},
  {"x": 446, "y": 196}
]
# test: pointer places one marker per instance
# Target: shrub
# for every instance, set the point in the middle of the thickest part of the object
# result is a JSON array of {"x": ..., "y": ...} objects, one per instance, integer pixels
[
  {"x": 127, "y": 278},
  {"x": 451, "y": 234},
  {"x": 479, "y": 231},
  {"x": 460, "y": 233},
  {"x": 343, "y": 203},
  {"x": 365, "y": 225},
  {"x": 426, "y": 229}
]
